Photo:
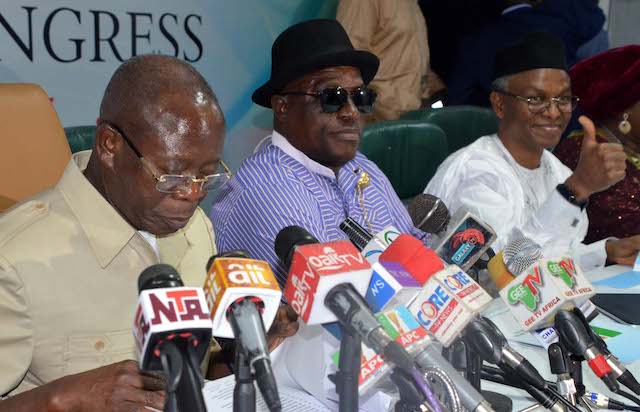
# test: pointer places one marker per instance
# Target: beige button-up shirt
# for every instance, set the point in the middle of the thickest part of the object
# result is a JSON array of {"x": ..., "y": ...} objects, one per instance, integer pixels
[
  {"x": 396, "y": 32},
  {"x": 69, "y": 267}
]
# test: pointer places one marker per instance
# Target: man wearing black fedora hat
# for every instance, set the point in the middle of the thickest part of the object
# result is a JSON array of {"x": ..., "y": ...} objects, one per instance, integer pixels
[{"x": 309, "y": 171}]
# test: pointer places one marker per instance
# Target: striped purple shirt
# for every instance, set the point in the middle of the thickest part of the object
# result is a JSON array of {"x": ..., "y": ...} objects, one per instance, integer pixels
[{"x": 279, "y": 186}]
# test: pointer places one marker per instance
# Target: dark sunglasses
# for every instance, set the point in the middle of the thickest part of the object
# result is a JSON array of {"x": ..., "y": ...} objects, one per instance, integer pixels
[{"x": 334, "y": 98}]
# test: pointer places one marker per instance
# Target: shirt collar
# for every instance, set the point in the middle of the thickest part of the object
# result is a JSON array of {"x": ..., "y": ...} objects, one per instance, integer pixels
[
  {"x": 107, "y": 231},
  {"x": 516, "y": 7},
  {"x": 283, "y": 144},
  {"x": 507, "y": 154}
]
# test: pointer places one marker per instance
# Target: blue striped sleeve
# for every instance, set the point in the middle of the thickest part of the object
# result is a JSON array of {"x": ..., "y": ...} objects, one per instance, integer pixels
[
  {"x": 256, "y": 215},
  {"x": 397, "y": 209}
]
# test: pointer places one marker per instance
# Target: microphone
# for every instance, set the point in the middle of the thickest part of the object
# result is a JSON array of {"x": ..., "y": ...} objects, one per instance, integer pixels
[
  {"x": 400, "y": 326},
  {"x": 314, "y": 268},
  {"x": 498, "y": 271},
  {"x": 620, "y": 373},
  {"x": 390, "y": 284},
  {"x": 574, "y": 336},
  {"x": 420, "y": 261},
  {"x": 429, "y": 214},
  {"x": 449, "y": 297},
  {"x": 461, "y": 239},
  {"x": 561, "y": 366},
  {"x": 565, "y": 282},
  {"x": 333, "y": 270},
  {"x": 444, "y": 296},
  {"x": 172, "y": 331},
  {"x": 430, "y": 354},
  {"x": 243, "y": 295},
  {"x": 547, "y": 286},
  {"x": 233, "y": 276},
  {"x": 487, "y": 340},
  {"x": 520, "y": 253},
  {"x": 466, "y": 240},
  {"x": 370, "y": 245}
]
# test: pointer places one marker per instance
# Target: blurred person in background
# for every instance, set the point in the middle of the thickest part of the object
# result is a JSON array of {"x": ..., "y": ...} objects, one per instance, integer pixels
[
  {"x": 396, "y": 32},
  {"x": 573, "y": 21}
]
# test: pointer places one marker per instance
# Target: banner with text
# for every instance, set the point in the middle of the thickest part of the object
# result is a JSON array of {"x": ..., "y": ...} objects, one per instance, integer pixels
[{"x": 71, "y": 48}]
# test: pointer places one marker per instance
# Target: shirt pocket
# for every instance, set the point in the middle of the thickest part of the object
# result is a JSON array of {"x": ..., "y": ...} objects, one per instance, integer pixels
[{"x": 85, "y": 352}]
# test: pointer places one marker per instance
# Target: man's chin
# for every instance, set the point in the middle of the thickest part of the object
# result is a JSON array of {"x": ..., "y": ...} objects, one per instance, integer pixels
[
  {"x": 548, "y": 140},
  {"x": 168, "y": 226},
  {"x": 337, "y": 161}
]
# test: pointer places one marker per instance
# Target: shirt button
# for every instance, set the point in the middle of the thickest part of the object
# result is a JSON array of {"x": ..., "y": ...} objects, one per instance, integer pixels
[
  {"x": 99, "y": 345},
  {"x": 39, "y": 206}
]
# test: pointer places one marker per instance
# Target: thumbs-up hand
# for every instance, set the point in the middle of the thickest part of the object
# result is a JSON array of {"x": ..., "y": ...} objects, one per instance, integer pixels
[{"x": 601, "y": 165}]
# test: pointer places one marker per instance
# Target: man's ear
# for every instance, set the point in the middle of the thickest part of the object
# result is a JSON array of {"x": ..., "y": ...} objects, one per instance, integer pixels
[
  {"x": 279, "y": 106},
  {"x": 107, "y": 143},
  {"x": 497, "y": 102}
]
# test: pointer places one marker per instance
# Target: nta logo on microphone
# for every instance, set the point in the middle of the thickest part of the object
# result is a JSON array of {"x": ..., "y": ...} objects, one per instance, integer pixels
[{"x": 167, "y": 306}]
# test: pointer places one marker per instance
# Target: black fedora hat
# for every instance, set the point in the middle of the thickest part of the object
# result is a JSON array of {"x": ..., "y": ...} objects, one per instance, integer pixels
[{"x": 309, "y": 46}]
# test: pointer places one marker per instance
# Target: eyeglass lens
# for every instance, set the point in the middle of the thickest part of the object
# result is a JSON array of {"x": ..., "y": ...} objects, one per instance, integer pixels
[{"x": 332, "y": 100}]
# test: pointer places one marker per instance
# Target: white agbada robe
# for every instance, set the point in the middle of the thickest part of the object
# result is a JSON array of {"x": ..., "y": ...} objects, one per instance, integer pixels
[{"x": 484, "y": 178}]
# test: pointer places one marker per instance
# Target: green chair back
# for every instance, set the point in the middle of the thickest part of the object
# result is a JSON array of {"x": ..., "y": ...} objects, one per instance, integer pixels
[
  {"x": 80, "y": 137},
  {"x": 462, "y": 124},
  {"x": 408, "y": 152}
]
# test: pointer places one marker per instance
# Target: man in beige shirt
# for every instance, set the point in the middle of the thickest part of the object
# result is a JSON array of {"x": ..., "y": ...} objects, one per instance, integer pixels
[
  {"x": 70, "y": 256},
  {"x": 396, "y": 32}
]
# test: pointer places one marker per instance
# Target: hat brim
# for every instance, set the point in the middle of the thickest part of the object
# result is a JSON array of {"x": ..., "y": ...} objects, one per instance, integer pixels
[{"x": 367, "y": 63}]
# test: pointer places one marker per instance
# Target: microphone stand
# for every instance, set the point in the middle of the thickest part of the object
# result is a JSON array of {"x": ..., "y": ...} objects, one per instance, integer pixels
[
  {"x": 346, "y": 379},
  {"x": 410, "y": 396},
  {"x": 189, "y": 391},
  {"x": 465, "y": 361},
  {"x": 561, "y": 366},
  {"x": 184, "y": 384},
  {"x": 172, "y": 366},
  {"x": 244, "y": 393}
]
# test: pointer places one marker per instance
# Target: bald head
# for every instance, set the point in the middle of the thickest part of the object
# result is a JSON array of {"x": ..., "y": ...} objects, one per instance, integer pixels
[
  {"x": 163, "y": 109},
  {"x": 141, "y": 88}
]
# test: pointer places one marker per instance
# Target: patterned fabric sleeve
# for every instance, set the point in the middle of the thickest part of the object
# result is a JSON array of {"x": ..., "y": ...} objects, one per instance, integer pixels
[
  {"x": 256, "y": 216},
  {"x": 568, "y": 150}
]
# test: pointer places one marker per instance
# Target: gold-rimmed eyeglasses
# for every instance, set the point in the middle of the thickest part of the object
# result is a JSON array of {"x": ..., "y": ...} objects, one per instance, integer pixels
[
  {"x": 539, "y": 104},
  {"x": 168, "y": 183}
]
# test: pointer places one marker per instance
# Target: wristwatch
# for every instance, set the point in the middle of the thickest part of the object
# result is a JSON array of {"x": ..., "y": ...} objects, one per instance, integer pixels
[{"x": 570, "y": 196}]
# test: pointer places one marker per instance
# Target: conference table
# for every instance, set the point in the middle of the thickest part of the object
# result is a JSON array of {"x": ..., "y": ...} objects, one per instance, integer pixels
[{"x": 525, "y": 343}]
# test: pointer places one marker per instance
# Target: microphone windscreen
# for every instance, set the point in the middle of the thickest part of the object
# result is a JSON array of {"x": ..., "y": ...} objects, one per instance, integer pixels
[
  {"x": 429, "y": 213},
  {"x": 418, "y": 260},
  {"x": 287, "y": 240},
  {"x": 520, "y": 253},
  {"x": 159, "y": 276}
]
